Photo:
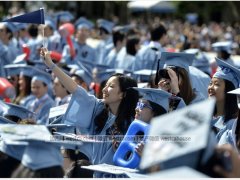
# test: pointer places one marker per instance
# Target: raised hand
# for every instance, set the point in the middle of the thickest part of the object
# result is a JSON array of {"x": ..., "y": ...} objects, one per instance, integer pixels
[
  {"x": 164, "y": 84},
  {"x": 174, "y": 84},
  {"x": 45, "y": 54}
]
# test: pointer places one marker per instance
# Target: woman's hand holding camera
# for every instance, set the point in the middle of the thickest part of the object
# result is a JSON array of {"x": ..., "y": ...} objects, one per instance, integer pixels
[{"x": 174, "y": 81}]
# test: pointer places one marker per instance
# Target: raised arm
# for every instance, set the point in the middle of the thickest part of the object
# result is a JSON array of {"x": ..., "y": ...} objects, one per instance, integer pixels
[{"x": 67, "y": 81}]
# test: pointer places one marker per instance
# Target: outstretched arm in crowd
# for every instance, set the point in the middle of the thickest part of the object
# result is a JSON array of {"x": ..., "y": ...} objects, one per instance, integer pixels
[{"x": 68, "y": 83}]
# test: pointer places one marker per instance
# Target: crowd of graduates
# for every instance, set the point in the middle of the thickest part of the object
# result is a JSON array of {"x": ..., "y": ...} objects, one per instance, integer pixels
[{"x": 108, "y": 75}]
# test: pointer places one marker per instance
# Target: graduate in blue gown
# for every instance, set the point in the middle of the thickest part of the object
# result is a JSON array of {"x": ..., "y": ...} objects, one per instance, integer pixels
[
  {"x": 127, "y": 55},
  {"x": 34, "y": 42},
  {"x": 62, "y": 96},
  {"x": 42, "y": 102},
  {"x": 226, "y": 78},
  {"x": 51, "y": 36},
  {"x": 224, "y": 49},
  {"x": 22, "y": 36},
  {"x": 106, "y": 43},
  {"x": 83, "y": 51},
  {"x": 63, "y": 17},
  {"x": 109, "y": 116},
  {"x": 24, "y": 82},
  {"x": 119, "y": 39},
  {"x": 8, "y": 49},
  {"x": 175, "y": 78},
  {"x": 155, "y": 102},
  {"x": 147, "y": 56}
]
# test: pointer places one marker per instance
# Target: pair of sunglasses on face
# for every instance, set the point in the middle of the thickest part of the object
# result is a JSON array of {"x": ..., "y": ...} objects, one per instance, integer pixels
[{"x": 141, "y": 106}]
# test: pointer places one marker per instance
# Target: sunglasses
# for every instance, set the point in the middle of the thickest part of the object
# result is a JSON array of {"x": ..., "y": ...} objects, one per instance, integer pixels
[{"x": 141, "y": 105}]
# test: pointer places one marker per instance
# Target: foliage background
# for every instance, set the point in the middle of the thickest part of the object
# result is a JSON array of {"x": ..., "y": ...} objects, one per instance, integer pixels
[{"x": 219, "y": 11}]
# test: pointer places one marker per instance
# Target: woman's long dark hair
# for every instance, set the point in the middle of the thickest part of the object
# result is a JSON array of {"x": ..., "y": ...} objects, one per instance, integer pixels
[
  {"x": 126, "y": 109},
  {"x": 230, "y": 105},
  {"x": 28, "y": 85},
  {"x": 24, "y": 93},
  {"x": 237, "y": 132},
  {"x": 186, "y": 90}
]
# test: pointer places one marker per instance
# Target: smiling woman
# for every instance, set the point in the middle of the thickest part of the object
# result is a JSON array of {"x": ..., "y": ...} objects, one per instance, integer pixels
[
  {"x": 216, "y": 88},
  {"x": 226, "y": 109},
  {"x": 106, "y": 117}
]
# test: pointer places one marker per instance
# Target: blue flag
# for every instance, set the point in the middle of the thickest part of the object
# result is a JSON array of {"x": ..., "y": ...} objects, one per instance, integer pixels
[{"x": 35, "y": 17}]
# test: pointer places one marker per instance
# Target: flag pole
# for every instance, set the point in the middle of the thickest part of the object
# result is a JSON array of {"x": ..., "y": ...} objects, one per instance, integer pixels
[
  {"x": 42, "y": 20},
  {"x": 43, "y": 35}
]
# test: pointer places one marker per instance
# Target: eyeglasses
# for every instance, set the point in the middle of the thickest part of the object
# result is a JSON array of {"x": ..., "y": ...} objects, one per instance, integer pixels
[{"x": 141, "y": 105}]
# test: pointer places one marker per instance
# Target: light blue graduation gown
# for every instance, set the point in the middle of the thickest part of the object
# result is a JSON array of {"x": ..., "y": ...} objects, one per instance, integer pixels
[
  {"x": 56, "y": 42},
  {"x": 42, "y": 108},
  {"x": 26, "y": 100},
  {"x": 3, "y": 52},
  {"x": 12, "y": 52},
  {"x": 83, "y": 53},
  {"x": 110, "y": 60},
  {"x": 226, "y": 131},
  {"x": 147, "y": 58},
  {"x": 34, "y": 45},
  {"x": 199, "y": 97},
  {"x": 103, "y": 48},
  {"x": 81, "y": 112},
  {"x": 65, "y": 100},
  {"x": 7, "y": 55},
  {"x": 124, "y": 61}
]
